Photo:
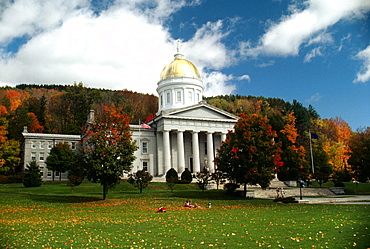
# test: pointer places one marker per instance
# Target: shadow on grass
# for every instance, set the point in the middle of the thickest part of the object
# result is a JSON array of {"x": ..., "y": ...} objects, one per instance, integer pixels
[
  {"x": 62, "y": 198},
  {"x": 207, "y": 195}
]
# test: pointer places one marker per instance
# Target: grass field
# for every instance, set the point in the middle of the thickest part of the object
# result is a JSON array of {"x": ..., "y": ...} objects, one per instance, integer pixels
[{"x": 51, "y": 217}]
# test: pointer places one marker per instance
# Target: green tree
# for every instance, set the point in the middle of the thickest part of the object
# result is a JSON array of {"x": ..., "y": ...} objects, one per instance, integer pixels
[
  {"x": 171, "y": 178},
  {"x": 140, "y": 179},
  {"x": 218, "y": 177},
  {"x": 108, "y": 148},
  {"x": 323, "y": 169},
  {"x": 32, "y": 175},
  {"x": 61, "y": 159},
  {"x": 204, "y": 178},
  {"x": 249, "y": 155}
]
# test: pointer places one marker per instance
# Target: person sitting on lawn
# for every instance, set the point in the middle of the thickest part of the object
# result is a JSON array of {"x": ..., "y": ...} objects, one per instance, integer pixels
[
  {"x": 161, "y": 210},
  {"x": 188, "y": 204}
]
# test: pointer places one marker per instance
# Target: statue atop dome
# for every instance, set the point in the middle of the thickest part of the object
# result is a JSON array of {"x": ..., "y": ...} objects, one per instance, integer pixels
[{"x": 178, "y": 45}]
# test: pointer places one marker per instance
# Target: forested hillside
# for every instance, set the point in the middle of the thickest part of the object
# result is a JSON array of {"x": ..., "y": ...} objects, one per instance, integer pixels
[{"x": 340, "y": 152}]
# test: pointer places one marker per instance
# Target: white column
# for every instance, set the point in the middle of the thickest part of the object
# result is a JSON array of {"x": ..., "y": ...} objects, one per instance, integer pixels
[
  {"x": 180, "y": 152},
  {"x": 166, "y": 151},
  {"x": 160, "y": 157},
  {"x": 210, "y": 153},
  {"x": 223, "y": 137},
  {"x": 196, "y": 161}
]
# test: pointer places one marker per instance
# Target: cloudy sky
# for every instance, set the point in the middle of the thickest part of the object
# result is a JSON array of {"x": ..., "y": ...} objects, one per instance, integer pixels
[{"x": 314, "y": 51}]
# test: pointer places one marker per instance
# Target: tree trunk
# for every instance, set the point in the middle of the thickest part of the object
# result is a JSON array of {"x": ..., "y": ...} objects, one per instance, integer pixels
[
  {"x": 245, "y": 190},
  {"x": 105, "y": 190}
]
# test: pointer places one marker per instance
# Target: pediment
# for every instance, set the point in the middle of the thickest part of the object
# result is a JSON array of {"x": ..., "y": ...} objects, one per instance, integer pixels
[{"x": 202, "y": 111}]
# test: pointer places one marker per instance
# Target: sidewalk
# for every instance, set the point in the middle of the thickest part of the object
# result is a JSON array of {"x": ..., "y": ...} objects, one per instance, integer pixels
[{"x": 342, "y": 199}]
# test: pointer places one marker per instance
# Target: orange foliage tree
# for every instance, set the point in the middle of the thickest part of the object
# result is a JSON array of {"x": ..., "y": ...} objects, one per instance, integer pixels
[
  {"x": 294, "y": 156},
  {"x": 108, "y": 148},
  {"x": 337, "y": 135}
]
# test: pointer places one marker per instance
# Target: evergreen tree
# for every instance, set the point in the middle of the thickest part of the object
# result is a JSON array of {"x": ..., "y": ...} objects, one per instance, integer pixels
[
  {"x": 32, "y": 175},
  {"x": 172, "y": 178},
  {"x": 186, "y": 176}
]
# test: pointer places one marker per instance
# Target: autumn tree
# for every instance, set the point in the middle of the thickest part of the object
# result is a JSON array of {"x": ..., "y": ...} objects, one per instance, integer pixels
[
  {"x": 9, "y": 149},
  {"x": 249, "y": 155},
  {"x": 360, "y": 154},
  {"x": 294, "y": 156},
  {"x": 140, "y": 179},
  {"x": 108, "y": 148},
  {"x": 61, "y": 159}
]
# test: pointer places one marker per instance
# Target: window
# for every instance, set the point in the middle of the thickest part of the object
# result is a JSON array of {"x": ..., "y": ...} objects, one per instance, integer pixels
[
  {"x": 42, "y": 156},
  {"x": 57, "y": 173},
  {"x": 205, "y": 148},
  {"x": 178, "y": 96},
  {"x": 198, "y": 97},
  {"x": 145, "y": 166},
  {"x": 161, "y": 100},
  {"x": 168, "y": 98},
  {"x": 33, "y": 144},
  {"x": 42, "y": 170},
  {"x": 33, "y": 156},
  {"x": 49, "y": 173},
  {"x": 73, "y": 146},
  {"x": 50, "y": 144},
  {"x": 42, "y": 144},
  {"x": 144, "y": 147},
  {"x": 190, "y": 96}
]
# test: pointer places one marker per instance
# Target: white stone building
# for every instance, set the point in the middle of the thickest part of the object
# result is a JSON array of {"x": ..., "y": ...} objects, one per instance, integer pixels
[{"x": 185, "y": 133}]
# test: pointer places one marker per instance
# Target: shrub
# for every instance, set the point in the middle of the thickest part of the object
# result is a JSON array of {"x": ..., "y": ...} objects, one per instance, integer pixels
[
  {"x": 32, "y": 175},
  {"x": 231, "y": 187},
  {"x": 172, "y": 178},
  {"x": 186, "y": 177},
  {"x": 338, "y": 184}
]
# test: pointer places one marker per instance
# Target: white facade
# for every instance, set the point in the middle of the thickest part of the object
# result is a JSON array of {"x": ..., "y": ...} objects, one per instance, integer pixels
[
  {"x": 184, "y": 138},
  {"x": 185, "y": 134},
  {"x": 37, "y": 146}
]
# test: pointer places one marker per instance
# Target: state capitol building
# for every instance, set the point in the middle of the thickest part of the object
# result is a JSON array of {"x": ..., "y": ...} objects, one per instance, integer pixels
[{"x": 185, "y": 133}]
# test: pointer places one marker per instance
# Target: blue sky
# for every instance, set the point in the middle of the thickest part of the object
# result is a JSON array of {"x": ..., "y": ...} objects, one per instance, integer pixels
[{"x": 314, "y": 51}]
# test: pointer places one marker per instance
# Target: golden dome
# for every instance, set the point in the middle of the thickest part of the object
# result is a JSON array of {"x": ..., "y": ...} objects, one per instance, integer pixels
[{"x": 180, "y": 67}]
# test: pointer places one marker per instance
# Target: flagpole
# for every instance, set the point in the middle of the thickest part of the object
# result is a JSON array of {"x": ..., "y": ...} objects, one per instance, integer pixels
[
  {"x": 313, "y": 169},
  {"x": 138, "y": 167}
]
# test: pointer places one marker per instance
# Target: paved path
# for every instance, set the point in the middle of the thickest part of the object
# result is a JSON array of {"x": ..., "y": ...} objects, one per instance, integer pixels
[{"x": 338, "y": 199}]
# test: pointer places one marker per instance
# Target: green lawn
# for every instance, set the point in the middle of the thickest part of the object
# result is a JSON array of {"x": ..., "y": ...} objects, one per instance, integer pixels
[{"x": 51, "y": 217}]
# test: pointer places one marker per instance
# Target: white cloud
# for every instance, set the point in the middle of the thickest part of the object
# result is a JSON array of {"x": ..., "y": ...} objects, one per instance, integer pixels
[
  {"x": 315, "y": 98},
  {"x": 313, "y": 53},
  {"x": 287, "y": 36},
  {"x": 125, "y": 46},
  {"x": 217, "y": 83},
  {"x": 206, "y": 48},
  {"x": 364, "y": 74}
]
